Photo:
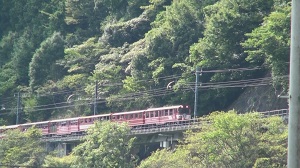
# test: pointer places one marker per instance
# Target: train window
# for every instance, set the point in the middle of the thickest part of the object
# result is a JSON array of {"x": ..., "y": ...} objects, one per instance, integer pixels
[
  {"x": 151, "y": 114},
  {"x": 156, "y": 113},
  {"x": 147, "y": 114},
  {"x": 141, "y": 115},
  {"x": 131, "y": 116},
  {"x": 171, "y": 112}
]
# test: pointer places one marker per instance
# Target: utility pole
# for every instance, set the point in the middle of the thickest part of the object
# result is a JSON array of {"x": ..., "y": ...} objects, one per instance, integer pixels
[
  {"x": 18, "y": 107},
  {"x": 96, "y": 98},
  {"x": 294, "y": 90},
  {"x": 196, "y": 90}
]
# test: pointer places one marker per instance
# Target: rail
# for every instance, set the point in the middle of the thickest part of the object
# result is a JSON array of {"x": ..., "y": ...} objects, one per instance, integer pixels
[
  {"x": 141, "y": 130},
  {"x": 283, "y": 113},
  {"x": 153, "y": 129},
  {"x": 169, "y": 127}
]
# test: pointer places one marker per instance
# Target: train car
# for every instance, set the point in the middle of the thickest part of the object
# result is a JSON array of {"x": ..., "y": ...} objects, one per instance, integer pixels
[
  {"x": 151, "y": 116},
  {"x": 133, "y": 118},
  {"x": 163, "y": 115},
  {"x": 86, "y": 122},
  {"x": 43, "y": 126},
  {"x": 63, "y": 126}
]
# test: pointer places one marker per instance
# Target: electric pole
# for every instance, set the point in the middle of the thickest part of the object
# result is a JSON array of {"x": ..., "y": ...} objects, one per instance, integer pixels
[
  {"x": 18, "y": 107},
  {"x": 294, "y": 90},
  {"x": 96, "y": 98},
  {"x": 196, "y": 91}
]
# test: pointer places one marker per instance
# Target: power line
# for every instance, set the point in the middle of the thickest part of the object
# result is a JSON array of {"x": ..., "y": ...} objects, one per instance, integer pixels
[
  {"x": 229, "y": 70},
  {"x": 161, "y": 92}
]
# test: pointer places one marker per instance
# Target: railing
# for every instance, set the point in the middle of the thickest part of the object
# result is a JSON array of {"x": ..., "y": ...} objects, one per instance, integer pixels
[
  {"x": 169, "y": 127},
  {"x": 283, "y": 113},
  {"x": 144, "y": 129}
]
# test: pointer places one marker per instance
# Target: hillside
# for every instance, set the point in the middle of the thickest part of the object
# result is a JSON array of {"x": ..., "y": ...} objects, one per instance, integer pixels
[
  {"x": 262, "y": 98},
  {"x": 61, "y": 56}
]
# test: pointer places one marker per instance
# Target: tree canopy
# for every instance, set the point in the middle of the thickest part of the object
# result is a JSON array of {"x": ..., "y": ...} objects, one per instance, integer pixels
[
  {"x": 22, "y": 148},
  {"x": 228, "y": 140},
  {"x": 56, "y": 51},
  {"x": 106, "y": 145}
]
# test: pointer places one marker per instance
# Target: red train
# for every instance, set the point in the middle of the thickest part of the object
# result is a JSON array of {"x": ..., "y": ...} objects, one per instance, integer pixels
[{"x": 151, "y": 116}]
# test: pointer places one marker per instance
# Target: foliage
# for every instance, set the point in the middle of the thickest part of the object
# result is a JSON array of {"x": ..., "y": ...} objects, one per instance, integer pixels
[
  {"x": 107, "y": 144},
  {"x": 229, "y": 140},
  {"x": 164, "y": 159},
  {"x": 42, "y": 66},
  {"x": 226, "y": 23},
  {"x": 61, "y": 162},
  {"x": 22, "y": 148},
  {"x": 269, "y": 43},
  {"x": 134, "y": 49}
]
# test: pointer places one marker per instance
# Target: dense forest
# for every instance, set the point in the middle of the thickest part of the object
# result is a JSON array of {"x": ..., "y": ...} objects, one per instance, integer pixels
[{"x": 59, "y": 57}]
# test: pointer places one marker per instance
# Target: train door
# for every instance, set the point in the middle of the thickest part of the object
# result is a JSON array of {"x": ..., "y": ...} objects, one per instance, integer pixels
[{"x": 53, "y": 128}]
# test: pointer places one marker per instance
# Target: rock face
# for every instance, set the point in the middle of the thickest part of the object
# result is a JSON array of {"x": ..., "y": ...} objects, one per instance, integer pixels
[{"x": 262, "y": 98}]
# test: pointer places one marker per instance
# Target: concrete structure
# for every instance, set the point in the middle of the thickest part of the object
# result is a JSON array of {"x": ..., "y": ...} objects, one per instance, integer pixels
[{"x": 166, "y": 135}]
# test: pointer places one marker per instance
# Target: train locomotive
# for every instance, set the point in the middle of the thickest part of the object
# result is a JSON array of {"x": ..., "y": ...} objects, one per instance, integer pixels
[{"x": 135, "y": 119}]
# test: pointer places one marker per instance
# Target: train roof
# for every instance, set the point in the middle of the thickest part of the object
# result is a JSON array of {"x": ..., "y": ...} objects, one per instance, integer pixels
[
  {"x": 165, "y": 108},
  {"x": 93, "y": 116},
  {"x": 128, "y": 112},
  {"x": 41, "y": 122},
  {"x": 9, "y": 126},
  {"x": 66, "y": 119}
]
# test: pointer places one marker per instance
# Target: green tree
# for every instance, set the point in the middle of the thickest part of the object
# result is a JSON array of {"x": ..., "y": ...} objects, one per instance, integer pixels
[
  {"x": 269, "y": 44},
  {"x": 229, "y": 140},
  {"x": 22, "y": 148},
  {"x": 226, "y": 23},
  {"x": 43, "y": 67},
  {"x": 107, "y": 145},
  {"x": 59, "y": 162}
]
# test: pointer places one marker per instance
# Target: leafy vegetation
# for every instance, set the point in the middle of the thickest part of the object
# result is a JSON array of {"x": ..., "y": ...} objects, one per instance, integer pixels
[
  {"x": 106, "y": 145},
  {"x": 228, "y": 140},
  {"x": 54, "y": 52},
  {"x": 22, "y": 148}
]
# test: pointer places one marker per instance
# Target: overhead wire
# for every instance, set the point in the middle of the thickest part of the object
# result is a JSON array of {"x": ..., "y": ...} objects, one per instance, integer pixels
[
  {"x": 165, "y": 91},
  {"x": 145, "y": 94}
]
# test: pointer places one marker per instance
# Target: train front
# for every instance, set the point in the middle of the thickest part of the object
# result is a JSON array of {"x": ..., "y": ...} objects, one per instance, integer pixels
[{"x": 184, "y": 113}]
